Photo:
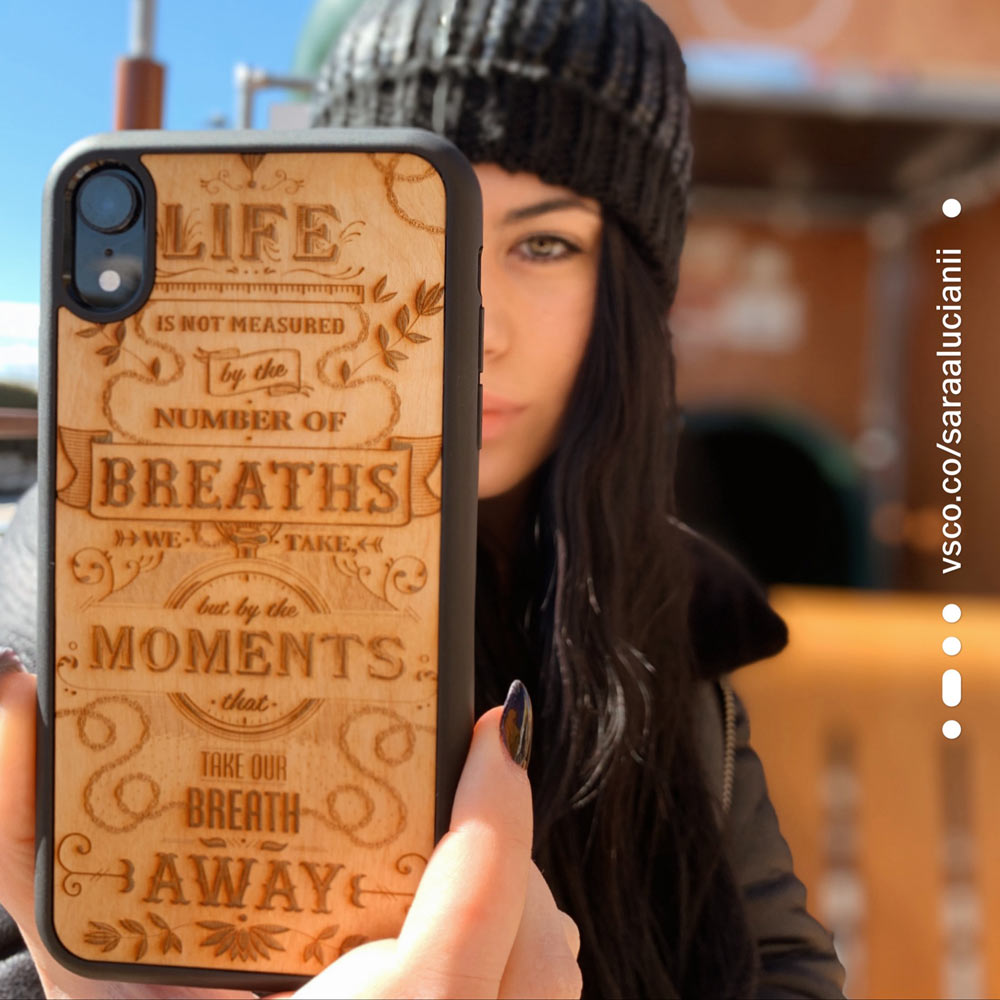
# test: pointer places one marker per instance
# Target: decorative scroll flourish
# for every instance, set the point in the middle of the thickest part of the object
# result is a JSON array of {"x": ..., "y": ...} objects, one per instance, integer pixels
[
  {"x": 403, "y": 865},
  {"x": 95, "y": 567},
  {"x": 391, "y": 175},
  {"x": 124, "y": 791},
  {"x": 150, "y": 369},
  {"x": 392, "y": 401},
  {"x": 246, "y": 537},
  {"x": 252, "y": 161},
  {"x": 79, "y": 844},
  {"x": 220, "y": 843},
  {"x": 393, "y": 744},
  {"x": 148, "y": 366},
  {"x": 401, "y": 578}
]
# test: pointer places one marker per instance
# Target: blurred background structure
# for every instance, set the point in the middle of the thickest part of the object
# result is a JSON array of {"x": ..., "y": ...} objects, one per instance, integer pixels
[{"x": 828, "y": 133}]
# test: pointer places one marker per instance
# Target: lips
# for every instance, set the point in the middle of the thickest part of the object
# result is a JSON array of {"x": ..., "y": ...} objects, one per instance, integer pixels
[
  {"x": 498, "y": 414},
  {"x": 499, "y": 404}
]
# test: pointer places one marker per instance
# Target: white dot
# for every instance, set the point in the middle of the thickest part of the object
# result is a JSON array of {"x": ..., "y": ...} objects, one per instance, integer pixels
[
  {"x": 952, "y": 645},
  {"x": 110, "y": 281},
  {"x": 952, "y": 729},
  {"x": 951, "y": 613},
  {"x": 951, "y": 207}
]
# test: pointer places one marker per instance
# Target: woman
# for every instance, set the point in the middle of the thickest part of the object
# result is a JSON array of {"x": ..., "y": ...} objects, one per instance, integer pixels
[{"x": 652, "y": 827}]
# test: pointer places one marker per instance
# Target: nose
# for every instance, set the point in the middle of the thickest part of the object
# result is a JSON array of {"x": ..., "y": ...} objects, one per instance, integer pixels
[{"x": 496, "y": 322}]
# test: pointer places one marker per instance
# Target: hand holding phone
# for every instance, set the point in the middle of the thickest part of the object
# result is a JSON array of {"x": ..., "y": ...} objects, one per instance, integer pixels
[{"x": 519, "y": 943}]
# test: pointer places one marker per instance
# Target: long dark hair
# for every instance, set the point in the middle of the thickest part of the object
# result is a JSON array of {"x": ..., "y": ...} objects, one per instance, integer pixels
[{"x": 594, "y": 620}]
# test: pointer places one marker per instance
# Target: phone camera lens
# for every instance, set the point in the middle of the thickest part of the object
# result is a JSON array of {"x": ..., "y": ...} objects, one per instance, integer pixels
[{"x": 107, "y": 202}]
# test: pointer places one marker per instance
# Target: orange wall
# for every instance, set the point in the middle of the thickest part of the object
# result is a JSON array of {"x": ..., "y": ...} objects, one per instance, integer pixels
[
  {"x": 959, "y": 38},
  {"x": 823, "y": 377}
]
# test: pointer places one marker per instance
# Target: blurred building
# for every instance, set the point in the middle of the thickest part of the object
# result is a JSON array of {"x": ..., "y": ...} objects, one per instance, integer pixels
[{"x": 827, "y": 135}]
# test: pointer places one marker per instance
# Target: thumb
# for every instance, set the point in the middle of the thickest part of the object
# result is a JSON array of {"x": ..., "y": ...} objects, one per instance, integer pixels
[
  {"x": 17, "y": 794},
  {"x": 466, "y": 913},
  {"x": 464, "y": 918}
]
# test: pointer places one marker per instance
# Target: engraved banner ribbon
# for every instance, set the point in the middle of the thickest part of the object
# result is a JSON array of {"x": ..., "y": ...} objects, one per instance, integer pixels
[
  {"x": 230, "y": 373},
  {"x": 170, "y": 482},
  {"x": 76, "y": 444}
]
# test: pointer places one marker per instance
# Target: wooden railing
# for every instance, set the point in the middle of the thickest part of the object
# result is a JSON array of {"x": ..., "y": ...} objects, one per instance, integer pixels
[{"x": 893, "y": 827}]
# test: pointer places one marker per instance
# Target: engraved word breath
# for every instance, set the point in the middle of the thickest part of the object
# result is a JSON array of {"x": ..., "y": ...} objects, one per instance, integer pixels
[{"x": 203, "y": 482}]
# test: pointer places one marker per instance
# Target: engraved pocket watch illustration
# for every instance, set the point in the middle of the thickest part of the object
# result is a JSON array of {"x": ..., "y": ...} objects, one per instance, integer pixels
[{"x": 246, "y": 485}]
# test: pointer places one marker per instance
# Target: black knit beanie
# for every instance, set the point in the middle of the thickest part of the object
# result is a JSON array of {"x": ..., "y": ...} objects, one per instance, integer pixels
[{"x": 587, "y": 94}]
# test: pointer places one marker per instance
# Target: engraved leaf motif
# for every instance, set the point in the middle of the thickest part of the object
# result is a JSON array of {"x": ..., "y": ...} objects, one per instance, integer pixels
[
  {"x": 172, "y": 942},
  {"x": 417, "y": 338},
  {"x": 345, "y": 372},
  {"x": 158, "y": 921},
  {"x": 262, "y": 935},
  {"x": 383, "y": 335},
  {"x": 214, "y": 925},
  {"x": 119, "y": 334},
  {"x": 431, "y": 299},
  {"x": 389, "y": 361},
  {"x": 328, "y": 932},
  {"x": 140, "y": 948},
  {"x": 379, "y": 289},
  {"x": 435, "y": 295},
  {"x": 402, "y": 319},
  {"x": 154, "y": 367},
  {"x": 418, "y": 299},
  {"x": 243, "y": 943},
  {"x": 352, "y": 941},
  {"x": 132, "y": 926},
  {"x": 90, "y": 331},
  {"x": 103, "y": 935},
  {"x": 396, "y": 355}
]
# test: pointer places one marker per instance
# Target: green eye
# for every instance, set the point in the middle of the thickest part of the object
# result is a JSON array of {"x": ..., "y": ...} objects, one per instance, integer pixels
[{"x": 545, "y": 247}]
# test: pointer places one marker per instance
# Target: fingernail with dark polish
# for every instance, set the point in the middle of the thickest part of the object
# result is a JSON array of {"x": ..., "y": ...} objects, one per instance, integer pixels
[{"x": 516, "y": 724}]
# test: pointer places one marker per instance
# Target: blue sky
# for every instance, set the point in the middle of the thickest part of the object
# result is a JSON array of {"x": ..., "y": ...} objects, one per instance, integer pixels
[{"x": 57, "y": 66}]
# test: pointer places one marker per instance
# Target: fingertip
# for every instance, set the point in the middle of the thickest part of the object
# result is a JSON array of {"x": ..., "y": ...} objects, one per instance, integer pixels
[
  {"x": 572, "y": 933},
  {"x": 17, "y": 690}
]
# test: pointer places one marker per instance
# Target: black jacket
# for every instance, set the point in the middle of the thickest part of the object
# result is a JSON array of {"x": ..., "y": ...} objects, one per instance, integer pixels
[
  {"x": 795, "y": 952},
  {"x": 796, "y": 956}
]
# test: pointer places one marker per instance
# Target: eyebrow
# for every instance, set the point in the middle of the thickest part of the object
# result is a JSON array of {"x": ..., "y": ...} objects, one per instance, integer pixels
[{"x": 551, "y": 205}]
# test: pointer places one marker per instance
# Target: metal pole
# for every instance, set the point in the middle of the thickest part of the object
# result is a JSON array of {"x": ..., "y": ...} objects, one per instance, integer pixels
[
  {"x": 138, "y": 77},
  {"x": 247, "y": 80},
  {"x": 143, "y": 20}
]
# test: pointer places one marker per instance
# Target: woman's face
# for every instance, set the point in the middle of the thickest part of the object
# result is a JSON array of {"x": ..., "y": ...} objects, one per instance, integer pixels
[{"x": 541, "y": 246}]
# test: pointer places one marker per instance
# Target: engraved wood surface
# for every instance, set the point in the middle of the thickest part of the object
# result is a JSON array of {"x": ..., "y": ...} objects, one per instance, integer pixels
[{"x": 247, "y": 548}]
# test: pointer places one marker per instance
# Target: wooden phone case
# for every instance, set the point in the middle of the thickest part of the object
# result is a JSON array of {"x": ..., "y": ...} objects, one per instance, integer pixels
[{"x": 256, "y": 630}]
